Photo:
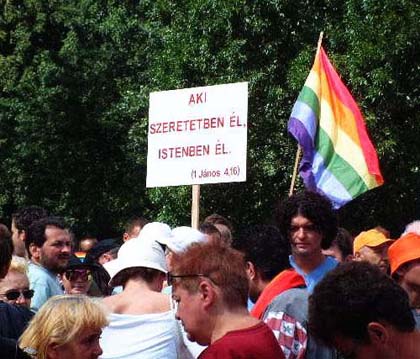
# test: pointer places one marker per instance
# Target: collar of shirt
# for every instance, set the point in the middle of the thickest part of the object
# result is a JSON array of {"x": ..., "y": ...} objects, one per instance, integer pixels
[{"x": 312, "y": 278}]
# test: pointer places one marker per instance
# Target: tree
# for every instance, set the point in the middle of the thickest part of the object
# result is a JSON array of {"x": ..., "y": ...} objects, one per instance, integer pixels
[{"x": 76, "y": 77}]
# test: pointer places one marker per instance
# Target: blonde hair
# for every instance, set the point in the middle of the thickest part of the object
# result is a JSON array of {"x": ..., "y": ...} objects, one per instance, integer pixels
[
  {"x": 60, "y": 320},
  {"x": 18, "y": 264}
]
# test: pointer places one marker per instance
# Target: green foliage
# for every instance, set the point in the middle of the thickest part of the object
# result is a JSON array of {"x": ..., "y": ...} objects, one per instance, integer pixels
[{"x": 75, "y": 78}]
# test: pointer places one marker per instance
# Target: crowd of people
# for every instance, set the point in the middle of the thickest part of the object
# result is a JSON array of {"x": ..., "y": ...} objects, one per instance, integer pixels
[{"x": 298, "y": 288}]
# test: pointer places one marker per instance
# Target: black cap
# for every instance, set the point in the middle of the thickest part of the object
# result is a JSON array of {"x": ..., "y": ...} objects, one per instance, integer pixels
[
  {"x": 102, "y": 247},
  {"x": 77, "y": 260}
]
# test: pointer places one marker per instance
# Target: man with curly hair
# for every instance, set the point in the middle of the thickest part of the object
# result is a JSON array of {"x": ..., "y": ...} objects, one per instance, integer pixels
[
  {"x": 308, "y": 220},
  {"x": 364, "y": 314},
  {"x": 309, "y": 223}
]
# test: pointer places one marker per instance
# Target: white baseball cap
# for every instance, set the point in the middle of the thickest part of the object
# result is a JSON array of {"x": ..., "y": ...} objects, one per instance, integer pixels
[{"x": 181, "y": 238}]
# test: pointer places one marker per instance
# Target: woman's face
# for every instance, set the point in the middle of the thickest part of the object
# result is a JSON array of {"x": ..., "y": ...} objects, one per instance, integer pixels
[
  {"x": 77, "y": 281},
  {"x": 14, "y": 289},
  {"x": 84, "y": 346}
]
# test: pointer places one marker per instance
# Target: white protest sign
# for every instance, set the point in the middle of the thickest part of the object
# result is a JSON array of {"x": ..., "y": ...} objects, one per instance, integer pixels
[{"x": 197, "y": 135}]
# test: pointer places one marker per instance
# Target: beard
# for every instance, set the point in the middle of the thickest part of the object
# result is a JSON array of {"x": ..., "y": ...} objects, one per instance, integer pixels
[{"x": 56, "y": 265}]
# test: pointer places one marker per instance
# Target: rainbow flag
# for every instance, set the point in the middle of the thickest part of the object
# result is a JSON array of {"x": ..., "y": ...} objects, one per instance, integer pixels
[
  {"x": 338, "y": 159},
  {"x": 81, "y": 256}
]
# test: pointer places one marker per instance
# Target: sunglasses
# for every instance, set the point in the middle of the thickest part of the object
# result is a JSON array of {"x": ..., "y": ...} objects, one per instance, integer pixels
[
  {"x": 73, "y": 274},
  {"x": 170, "y": 277},
  {"x": 15, "y": 294}
]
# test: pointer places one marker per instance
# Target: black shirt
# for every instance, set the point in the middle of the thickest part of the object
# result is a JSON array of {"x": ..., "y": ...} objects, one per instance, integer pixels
[{"x": 13, "y": 320}]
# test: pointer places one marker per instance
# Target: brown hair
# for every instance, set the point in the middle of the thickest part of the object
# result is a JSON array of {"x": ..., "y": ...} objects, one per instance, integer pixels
[
  {"x": 6, "y": 249},
  {"x": 148, "y": 275},
  {"x": 224, "y": 266}
]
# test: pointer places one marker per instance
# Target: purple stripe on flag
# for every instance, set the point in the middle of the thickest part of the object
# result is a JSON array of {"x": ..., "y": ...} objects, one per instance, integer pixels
[
  {"x": 298, "y": 131},
  {"x": 307, "y": 117}
]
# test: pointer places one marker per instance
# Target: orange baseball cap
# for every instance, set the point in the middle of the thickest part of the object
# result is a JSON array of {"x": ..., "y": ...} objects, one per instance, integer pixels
[
  {"x": 370, "y": 238},
  {"x": 404, "y": 250}
]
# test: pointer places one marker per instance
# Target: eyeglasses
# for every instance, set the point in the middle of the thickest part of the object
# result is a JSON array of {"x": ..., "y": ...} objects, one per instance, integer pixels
[
  {"x": 170, "y": 277},
  {"x": 74, "y": 274},
  {"x": 14, "y": 294}
]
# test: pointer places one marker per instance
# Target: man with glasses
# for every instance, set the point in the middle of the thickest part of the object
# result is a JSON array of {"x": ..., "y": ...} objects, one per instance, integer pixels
[
  {"x": 210, "y": 290},
  {"x": 49, "y": 244},
  {"x": 364, "y": 314}
]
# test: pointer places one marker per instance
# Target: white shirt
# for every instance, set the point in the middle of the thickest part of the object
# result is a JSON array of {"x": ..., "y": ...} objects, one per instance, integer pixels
[{"x": 147, "y": 336}]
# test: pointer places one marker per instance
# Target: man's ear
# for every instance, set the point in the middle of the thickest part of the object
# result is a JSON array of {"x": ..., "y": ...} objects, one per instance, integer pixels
[
  {"x": 125, "y": 237},
  {"x": 250, "y": 270},
  {"x": 357, "y": 256},
  {"x": 22, "y": 235},
  {"x": 378, "y": 333},
  {"x": 207, "y": 293},
  {"x": 107, "y": 257}
]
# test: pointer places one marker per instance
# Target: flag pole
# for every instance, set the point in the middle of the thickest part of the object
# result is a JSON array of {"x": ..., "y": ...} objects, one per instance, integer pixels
[
  {"x": 195, "y": 207},
  {"x": 321, "y": 36},
  {"x": 299, "y": 149},
  {"x": 295, "y": 168}
]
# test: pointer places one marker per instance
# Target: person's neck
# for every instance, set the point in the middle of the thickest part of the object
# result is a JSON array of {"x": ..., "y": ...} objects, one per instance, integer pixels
[
  {"x": 35, "y": 261},
  {"x": 260, "y": 285},
  {"x": 137, "y": 284},
  {"x": 228, "y": 320},
  {"x": 404, "y": 345},
  {"x": 21, "y": 255},
  {"x": 308, "y": 263}
]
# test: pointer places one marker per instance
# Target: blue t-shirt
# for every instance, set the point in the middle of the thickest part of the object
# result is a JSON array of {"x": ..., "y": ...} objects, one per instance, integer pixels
[
  {"x": 44, "y": 283},
  {"x": 312, "y": 278},
  {"x": 416, "y": 314}
]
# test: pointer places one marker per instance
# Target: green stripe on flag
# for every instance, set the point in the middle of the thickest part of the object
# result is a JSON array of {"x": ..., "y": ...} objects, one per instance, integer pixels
[
  {"x": 308, "y": 96},
  {"x": 338, "y": 166}
]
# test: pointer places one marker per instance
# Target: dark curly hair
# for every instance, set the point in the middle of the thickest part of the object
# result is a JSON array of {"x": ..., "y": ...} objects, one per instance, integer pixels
[
  {"x": 344, "y": 242},
  {"x": 315, "y": 207},
  {"x": 265, "y": 247},
  {"x": 352, "y": 296}
]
